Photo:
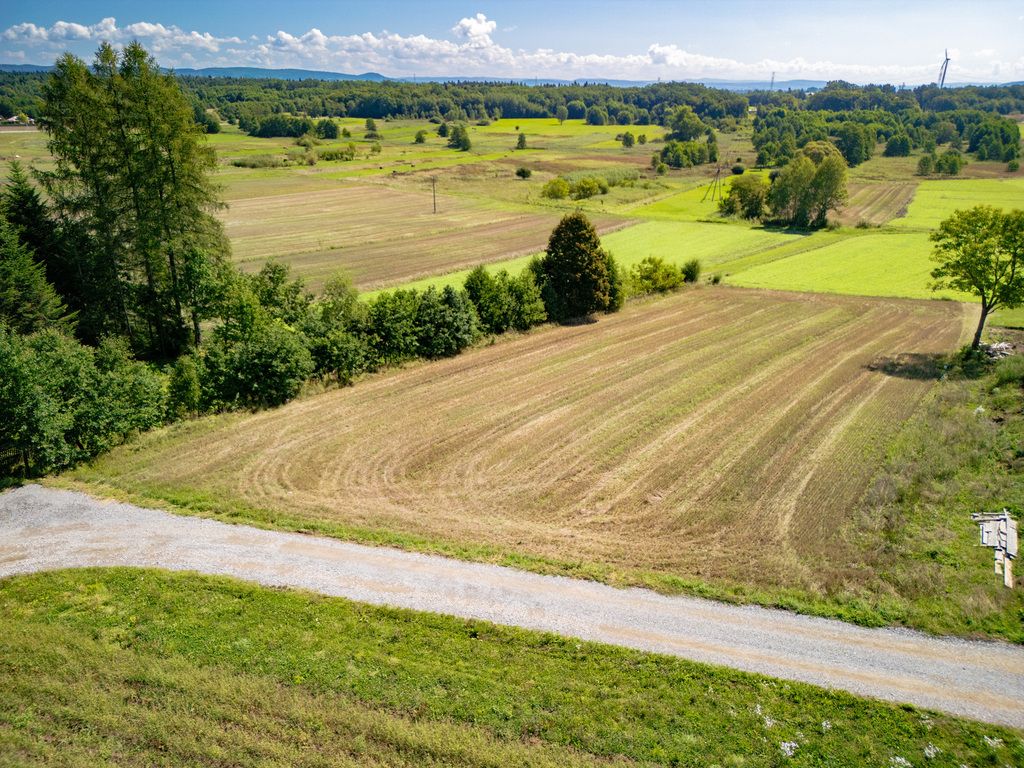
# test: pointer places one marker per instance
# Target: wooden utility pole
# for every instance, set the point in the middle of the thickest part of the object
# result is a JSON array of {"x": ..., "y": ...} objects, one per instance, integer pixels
[{"x": 433, "y": 190}]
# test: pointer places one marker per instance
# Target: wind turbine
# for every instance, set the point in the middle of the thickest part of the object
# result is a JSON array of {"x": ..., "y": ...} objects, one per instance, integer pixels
[{"x": 942, "y": 70}]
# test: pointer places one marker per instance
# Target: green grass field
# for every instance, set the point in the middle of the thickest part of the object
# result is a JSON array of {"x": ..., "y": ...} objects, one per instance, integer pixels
[
  {"x": 936, "y": 200},
  {"x": 863, "y": 265},
  {"x": 137, "y": 667},
  {"x": 675, "y": 241}
]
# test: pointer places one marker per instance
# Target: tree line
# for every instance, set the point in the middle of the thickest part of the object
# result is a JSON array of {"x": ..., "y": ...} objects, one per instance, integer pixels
[{"x": 120, "y": 310}]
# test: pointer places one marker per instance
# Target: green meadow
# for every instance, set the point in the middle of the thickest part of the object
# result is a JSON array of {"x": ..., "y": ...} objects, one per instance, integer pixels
[{"x": 139, "y": 667}]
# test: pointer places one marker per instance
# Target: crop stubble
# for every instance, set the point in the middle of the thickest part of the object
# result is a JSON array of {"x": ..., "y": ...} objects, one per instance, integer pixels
[
  {"x": 381, "y": 236},
  {"x": 721, "y": 433}
]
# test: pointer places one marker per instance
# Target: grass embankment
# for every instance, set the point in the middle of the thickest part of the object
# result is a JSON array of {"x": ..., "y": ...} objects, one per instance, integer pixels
[
  {"x": 131, "y": 667},
  {"x": 963, "y": 453}
]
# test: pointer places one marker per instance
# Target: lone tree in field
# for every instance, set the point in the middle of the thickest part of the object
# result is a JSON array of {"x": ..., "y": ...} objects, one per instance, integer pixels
[
  {"x": 576, "y": 279},
  {"x": 981, "y": 251}
]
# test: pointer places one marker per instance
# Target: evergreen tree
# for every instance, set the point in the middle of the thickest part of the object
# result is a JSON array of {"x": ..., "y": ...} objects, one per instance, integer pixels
[
  {"x": 28, "y": 303},
  {"x": 575, "y": 270},
  {"x": 133, "y": 176}
]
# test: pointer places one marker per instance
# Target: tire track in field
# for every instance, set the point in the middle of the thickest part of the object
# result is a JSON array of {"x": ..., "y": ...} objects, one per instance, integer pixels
[{"x": 690, "y": 434}]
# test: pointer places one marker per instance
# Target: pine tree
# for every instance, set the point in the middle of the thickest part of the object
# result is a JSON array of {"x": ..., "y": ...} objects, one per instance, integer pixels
[{"x": 133, "y": 175}]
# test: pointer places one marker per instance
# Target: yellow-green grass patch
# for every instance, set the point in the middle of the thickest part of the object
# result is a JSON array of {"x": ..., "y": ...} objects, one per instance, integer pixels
[{"x": 937, "y": 200}]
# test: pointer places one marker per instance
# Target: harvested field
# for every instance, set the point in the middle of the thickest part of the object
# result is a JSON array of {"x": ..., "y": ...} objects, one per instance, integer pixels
[
  {"x": 876, "y": 204},
  {"x": 719, "y": 434},
  {"x": 381, "y": 236}
]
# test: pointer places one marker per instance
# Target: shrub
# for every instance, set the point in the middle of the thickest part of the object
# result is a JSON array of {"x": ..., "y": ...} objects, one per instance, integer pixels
[
  {"x": 925, "y": 165},
  {"x": 661, "y": 169},
  {"x": 327, "y": 129},
  {"x": 716, "y": 279},
  {"x": 184, "y": 388},
  {"x": 521, "y": 141},
  {"x": 898, "y": 146},
  {"x": 555, "y": 189},
  {"x": 266, "y": 367},
  {"x": 747, "y": 197},
  {"x": 523, "y": 173},
  {"x": 458, "y": 138},
  {"x": 421, "y": 137},
  {"x": 1013, "y": 166},
  {"x": 345, "y": 154},
  {"x": 391, "y": 326},
  {"x": 654, "y": 275},
  {"x": 258, "y": 161},
  {"x": 691, "y": 271},
  {"x": 738, "y": 169},
  {"x": 503, "y": 302},
  {"x": 587, "y": 187},
  {"x": 446, "y": 323}
]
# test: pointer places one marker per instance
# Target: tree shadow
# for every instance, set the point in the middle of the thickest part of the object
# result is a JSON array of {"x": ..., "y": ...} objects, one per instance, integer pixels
[{"x": 912, "y": 365}]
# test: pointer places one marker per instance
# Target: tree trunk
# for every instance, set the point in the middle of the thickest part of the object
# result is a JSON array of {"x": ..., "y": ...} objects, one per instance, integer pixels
[{"x": 981, "y": 326}]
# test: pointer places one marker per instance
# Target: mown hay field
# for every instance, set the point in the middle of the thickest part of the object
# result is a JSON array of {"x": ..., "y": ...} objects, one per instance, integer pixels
[
  {"x": 381, "y": 236},
  {"x": 721, "y": 435}
]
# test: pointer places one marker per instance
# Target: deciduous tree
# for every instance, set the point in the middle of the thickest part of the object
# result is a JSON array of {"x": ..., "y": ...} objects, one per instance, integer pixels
[{"x": 981, "y": 251}]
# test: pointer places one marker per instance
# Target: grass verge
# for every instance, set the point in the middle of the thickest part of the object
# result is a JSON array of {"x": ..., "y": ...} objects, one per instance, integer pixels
[{"x": 133, "y": 667}]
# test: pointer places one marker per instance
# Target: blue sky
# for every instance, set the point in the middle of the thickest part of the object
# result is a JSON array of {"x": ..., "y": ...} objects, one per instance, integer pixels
[{"x": 864, "y": 41}]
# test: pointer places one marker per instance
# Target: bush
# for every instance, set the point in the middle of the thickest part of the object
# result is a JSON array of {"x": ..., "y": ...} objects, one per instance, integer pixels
[
  {"x": 184, "y": 388},
  {"x": 747, "y": 197},
  {"x": 654, "y": 275},
  {"x": 259, "y": 161},
  {"x": 898, "y": 146},
  {"x": 345, "y": 154},
  {"x": 446, "y": 323},
  {"x": 505, "y": 303},
  {"x": 458, "y": 138},
  {"x": 691, "y": 271},
  {"x": 266, "y": 367},
  {"x": 738, "y": 169},
  {"x": 925, "y": 165},
  {"x": 587, "y": 187},
  {"x": 523, "y": 173},
  {"x": 63, "y": 402},
  {"x": 661, "y": 169},
  {"x": 555, "y": 189},
  {"x": 421, "y": 137},
  {"x": 1013, "y": 166}
]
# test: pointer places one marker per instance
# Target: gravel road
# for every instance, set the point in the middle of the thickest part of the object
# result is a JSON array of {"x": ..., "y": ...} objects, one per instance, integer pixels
[{"x": 44, "y": 529}]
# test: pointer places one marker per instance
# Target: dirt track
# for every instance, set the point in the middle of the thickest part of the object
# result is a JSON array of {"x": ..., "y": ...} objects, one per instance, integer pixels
[{"x": 44, "y": 529}]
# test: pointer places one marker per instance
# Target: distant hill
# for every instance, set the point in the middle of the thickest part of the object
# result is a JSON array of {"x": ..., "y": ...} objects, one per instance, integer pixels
[
  {"x": 25, "y": 68},
  {"x": 277, "y": 74},
  {"x": 315, "y": 74}
]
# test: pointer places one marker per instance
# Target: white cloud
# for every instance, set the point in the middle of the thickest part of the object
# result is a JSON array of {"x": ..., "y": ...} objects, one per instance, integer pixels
[
  {"x": 158, "y": 37},
  {"x": 472, "y": 51}
]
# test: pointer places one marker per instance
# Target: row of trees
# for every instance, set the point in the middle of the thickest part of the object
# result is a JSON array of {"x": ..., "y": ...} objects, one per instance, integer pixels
[{"x": 119, "y": 309}]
